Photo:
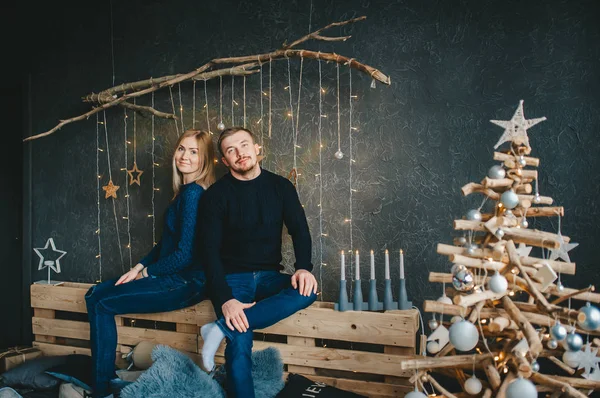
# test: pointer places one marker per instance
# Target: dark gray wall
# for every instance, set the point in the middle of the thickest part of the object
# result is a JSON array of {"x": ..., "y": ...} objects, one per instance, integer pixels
[{"x": 454, "y": 65}]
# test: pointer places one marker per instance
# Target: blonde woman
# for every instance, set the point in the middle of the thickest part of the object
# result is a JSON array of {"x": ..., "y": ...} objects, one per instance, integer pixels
[{"x": 170, "y": 277}]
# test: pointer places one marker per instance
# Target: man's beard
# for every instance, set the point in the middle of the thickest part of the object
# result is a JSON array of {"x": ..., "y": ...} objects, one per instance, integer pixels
[{"x": 246, "y": 168}]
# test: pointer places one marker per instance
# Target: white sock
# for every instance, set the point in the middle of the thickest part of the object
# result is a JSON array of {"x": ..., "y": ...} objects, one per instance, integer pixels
[{"x": 212, "y": 336}]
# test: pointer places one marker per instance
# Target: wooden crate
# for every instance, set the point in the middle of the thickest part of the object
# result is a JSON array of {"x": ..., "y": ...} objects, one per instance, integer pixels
[{"x": 356, "y": 351}]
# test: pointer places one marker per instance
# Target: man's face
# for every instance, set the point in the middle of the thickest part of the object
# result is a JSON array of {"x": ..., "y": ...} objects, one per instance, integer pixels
[{"x": 240, "y": 153}]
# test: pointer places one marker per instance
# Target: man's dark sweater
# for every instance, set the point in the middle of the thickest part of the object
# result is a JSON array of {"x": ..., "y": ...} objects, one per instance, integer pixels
[{"x": 241, "y": 223}]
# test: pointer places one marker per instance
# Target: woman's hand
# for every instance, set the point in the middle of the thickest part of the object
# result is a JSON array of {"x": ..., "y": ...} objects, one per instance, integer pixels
[{"x": 133, "y": 274}]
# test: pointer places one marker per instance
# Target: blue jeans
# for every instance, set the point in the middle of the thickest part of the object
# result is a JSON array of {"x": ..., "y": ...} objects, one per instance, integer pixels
[
  {"x": 147, "y": 295},
  {"x": 276, "y": 300}
]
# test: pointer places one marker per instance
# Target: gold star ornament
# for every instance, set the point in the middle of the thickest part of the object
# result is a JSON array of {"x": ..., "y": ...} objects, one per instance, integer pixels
[
  {"x": 134, "y": 170},
  {"x": 110, "y": 190}
]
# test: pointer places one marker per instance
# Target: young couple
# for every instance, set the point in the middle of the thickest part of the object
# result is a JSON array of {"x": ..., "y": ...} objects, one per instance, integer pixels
[{"x": 222, "y": 242}]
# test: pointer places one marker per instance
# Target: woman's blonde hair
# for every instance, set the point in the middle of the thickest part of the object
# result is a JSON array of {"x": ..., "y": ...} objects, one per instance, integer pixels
[{"x": 206, "y": 153}]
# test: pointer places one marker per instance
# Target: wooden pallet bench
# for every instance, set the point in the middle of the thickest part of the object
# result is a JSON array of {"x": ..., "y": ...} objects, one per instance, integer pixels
[{"x": 355, "y": 351}]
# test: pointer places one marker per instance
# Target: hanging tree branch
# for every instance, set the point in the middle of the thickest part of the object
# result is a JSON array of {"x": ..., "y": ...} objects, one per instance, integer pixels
[{"x": 109, "y": 97}]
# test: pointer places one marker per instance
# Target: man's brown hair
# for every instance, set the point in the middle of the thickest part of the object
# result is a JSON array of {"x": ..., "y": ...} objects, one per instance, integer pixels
[{"x": 231, "y": 131}]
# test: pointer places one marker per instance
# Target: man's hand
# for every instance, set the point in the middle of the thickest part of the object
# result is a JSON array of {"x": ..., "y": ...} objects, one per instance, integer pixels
[
  {"x": 233, "y": 312},
  {"x": 305, "y": 282},
  {"x": 133, "y": 274}
]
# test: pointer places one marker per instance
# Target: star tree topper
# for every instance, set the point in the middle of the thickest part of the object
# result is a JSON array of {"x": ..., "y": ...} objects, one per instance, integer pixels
[
  {"x": 515, "y": 129},
  {"x": 48, "y": 258}
]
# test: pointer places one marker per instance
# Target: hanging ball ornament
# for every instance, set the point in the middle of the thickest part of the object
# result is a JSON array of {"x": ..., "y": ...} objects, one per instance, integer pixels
[
  {"x": 339, "y": 155},
  {"x": 537, "y": 199},
  {"x": 552, "y": 344},
  {"x": 499, "y": 233},
  {"x": 558, "y": 332},
  {"x": 588, "y": 317},
  {"x": 473, "y": 385},
  {"x": 433, "y": 347},
  {"x": 535, "y": 366},
  {"x": 445, "y": 299},
  {"x": 521, "y": 388},
  {"x": 463, "y": 280},
  {"x": 498, "y": 283},
  {"x": 474, "y": 215},
  {"x": 509, "y": 199},
  {"x": 471, "y": 248},
  {"x": 464, "y": 335},
  {"x": 455, "y": 318},
  {"x": 508, "y": 213},
  {"x": 496, "y": 172},
  {"x": 221, "y": 126},
  {"x": 433, "y": 324},
  {"x": 462, "y": 241},
  {"x": 524, "y": 223},
  {"x": 521, "y": 160},
  {"x": 559, "y": 286},
  {"x": 572, "y": 358},
  {"x": 574, "y": 341},
  {"x": 415, "y": 394}
]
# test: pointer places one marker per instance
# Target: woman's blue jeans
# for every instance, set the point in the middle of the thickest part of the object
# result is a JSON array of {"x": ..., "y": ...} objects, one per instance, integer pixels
[
  {"x": 147, "y": 295},
  {"x": 276, "y": 300}
]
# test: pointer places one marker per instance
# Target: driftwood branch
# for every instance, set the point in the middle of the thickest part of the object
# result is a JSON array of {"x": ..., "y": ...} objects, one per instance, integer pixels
[
  {"x": 107, "y": 98},
  {"x": 149, "y": 109}
]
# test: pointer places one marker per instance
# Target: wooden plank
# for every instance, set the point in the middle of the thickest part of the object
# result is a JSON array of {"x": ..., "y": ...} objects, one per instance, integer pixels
[
  {"x": 48, "y": 314},
  {"x": 405, "y": 351},
  {"x": 397, "y": 328},
  {"x": 302, "y": 342},
  {"x": 187, "y": 328},
  {"x": 331, "y": 358},
  {"x": 369, "y": 388},
  {"x": 127, "y": 335},
  {"x": 54, "y": 349}
]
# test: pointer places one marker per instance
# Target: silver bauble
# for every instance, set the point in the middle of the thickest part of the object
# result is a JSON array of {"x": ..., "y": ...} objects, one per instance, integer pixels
[
  {"x": 433, "y": 347},
  {"x": 524, "y": 223},
  {"x": 455, "y": 318},
  {"x": 415, "y": 394},
  {"x": 463, "y": 280},
  {"x": 537, "y": 199},
  {"x": 522, "y": 162},
  {"x": 339, "y": 155},
  {"x": 588, "y": 317},
  {"x": 574, "y": 341},
  {"x": 552, "y": 344},
  {"x": 457, "y": 267},
  {"x": 572, "y": 358},
  {"x": 509, "y": 199},
  {"x": 445, "y": 299},
  {"x": 521, "y": 388},
  {"x": 509, "y": 213},
  {"x": 474, "y": 215},
  {"x": 558, "y": 332},
  {"x": 433, "y": 324},
  {"x": 462, "y": 241},
  {"x": 535, "y": 366},
  {"x": 498, "y": 283},
  {"x": 471, "y": 249},
  {"x": 559, "y": 286},
  {"x": 221, "y": 126},
  {"x": 496, "y": 172},
  {"x": 473, "y": 385},
  {"x": 463, "y": 335},
  {"x": 499, "y": 233}
]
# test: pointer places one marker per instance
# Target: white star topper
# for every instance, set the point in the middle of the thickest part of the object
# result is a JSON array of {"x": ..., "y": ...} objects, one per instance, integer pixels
[
  {"x": 515, "y": 129},
  {"x": 52, "y": 263}
]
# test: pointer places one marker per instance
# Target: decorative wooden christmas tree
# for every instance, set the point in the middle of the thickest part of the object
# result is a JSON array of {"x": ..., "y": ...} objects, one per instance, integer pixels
[{"x": 509, "y": 309}]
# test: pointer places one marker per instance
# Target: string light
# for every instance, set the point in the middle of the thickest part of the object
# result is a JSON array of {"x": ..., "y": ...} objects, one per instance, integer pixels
[
  {"x": 180, "y": 107},
  {"x": 350, "y": 151},
  {"x": 270, "y": 95},
  {"x": 320, "y": 176},
  {"x": 127, "y": 188},
  {"x": 153, "y": 177},
  {"x": 291, "y": 115},
  {"x": 99, "y": 255},
  {"x": 206, "y": 107},
  {"x": 220, "y": 102},
  {"x": 244, "y": 80},
  {"x": 232, "y": 99},
  {"x": 262, "y": 130},
  {"x": 113, "y": 199},
  {"x": 194, "y": 104},
  {"x": 173, "y": 107}
]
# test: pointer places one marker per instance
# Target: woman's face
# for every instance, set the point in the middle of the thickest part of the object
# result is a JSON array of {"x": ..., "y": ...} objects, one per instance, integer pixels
[{"x": 187, "y": 157}]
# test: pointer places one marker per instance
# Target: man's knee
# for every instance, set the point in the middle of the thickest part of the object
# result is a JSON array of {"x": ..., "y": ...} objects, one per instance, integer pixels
[{"x": 301, "y": 300}]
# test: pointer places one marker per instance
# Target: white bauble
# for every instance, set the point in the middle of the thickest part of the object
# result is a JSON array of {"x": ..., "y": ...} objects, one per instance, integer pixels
[
  {"x": 433, "y": 347},
  {"x": 498, "y": 283},
  {"x": 509, "y": 199},
  {"x": 445, "y": 300},
  {"x": 521, "y": 388},
  {"x": 221, "y": 126},
  {"x": 415, "y": 394},
  {"x": 474, "y": 215},
  {"x": 464, "y": 335},
  {"x": 473, "y": 385},
  {"x": 571, "y": 358},
  {"x": 455, "y": 318},
  {"x": 496, "y": 172}
]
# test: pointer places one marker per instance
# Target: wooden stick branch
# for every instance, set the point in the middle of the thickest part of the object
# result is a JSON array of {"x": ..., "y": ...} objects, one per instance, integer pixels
[
  {"x": 559, "y": 300},
  {"x": 554, "y": 381},
  {"x": 443, "y": 362},
  {"x": 141, "y": 108},
  {"x": 317, "y": 33},
  {"x": 147, "y": 86},
  {"x": 533, "y": 339},
  {"x": 439, "y": 387},
  {"x": 529, "y": 161}
]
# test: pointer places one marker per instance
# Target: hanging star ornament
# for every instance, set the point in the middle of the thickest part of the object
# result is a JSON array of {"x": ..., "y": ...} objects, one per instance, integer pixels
[
  {"x": 134, "y": 170},
  {"x": 563, "y": 251},
  {"x": 515, "y": 129},
  {"x": 48, "y": 258},
  {"x": 595, "y": 375},
  {"x": 111, "y": 190},
  {"x": 588, "y": 359},
  {"x": 524, "y": 250}
]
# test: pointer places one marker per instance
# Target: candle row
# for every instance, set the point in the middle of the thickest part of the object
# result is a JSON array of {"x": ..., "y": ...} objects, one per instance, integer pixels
[{"x": 357, "y": 265}]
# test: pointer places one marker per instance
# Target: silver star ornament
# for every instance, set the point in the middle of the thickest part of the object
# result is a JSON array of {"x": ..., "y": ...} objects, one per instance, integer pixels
[
  {"x": 563, "y": 251},
  {"x": 47, "y": 258},
  {"x": 515, "y": 129}
]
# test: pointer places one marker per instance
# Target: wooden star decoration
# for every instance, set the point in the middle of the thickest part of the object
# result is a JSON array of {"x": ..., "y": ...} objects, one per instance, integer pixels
[
  {"x": 134, "y": 170},
  {"x": 563, "y": 251},
  {"x": 111, "y": 190},
  {"x": 515, "y": 129}
]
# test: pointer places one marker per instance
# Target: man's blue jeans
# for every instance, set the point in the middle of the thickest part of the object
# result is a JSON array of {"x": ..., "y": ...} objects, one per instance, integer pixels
[
  {"x": 276, "y": 300},
  {"x": 147, "y": 295}
]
